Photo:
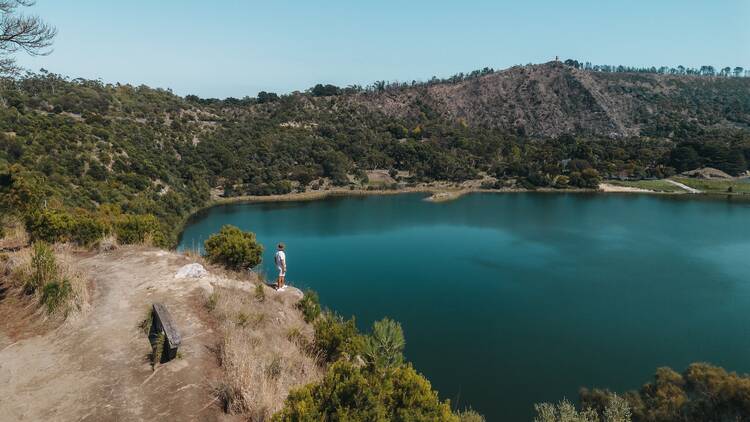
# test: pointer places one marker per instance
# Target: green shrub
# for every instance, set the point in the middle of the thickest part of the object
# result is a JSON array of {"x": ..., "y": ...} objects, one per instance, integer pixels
[
  {"x": 233, "y": 248},
  {"x": 470, "y": 415},
  {"x": 701, "y": 393},
  {"x": 54, "y": 226},
  {"x": 384, "y": 347},
  {"x": 55, "y": 294},
  {"x": 564, "y": 411},
  {"x": 616, "y": 410},
  {"x": 139, "y": 229},
  {"x": 309, "y": 305},
  {"x": 49, "y": 225},
  {"x": 335, "y": 337},
  {"x": 43, "y": 269},
  {"x": 350, "y": 393},
  {"x": 86, "y": 230}
]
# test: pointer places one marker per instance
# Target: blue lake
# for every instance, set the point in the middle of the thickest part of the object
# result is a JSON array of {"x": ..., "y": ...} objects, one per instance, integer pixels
[{"x": 511, "y": 299}]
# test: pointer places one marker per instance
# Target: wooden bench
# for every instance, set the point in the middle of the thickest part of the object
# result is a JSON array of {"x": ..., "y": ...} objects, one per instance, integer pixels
[{"x": 162, "y": 323}]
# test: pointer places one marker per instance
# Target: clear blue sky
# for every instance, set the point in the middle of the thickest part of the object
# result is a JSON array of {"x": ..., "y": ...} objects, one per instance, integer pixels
[{"x": 236, "y": 48}]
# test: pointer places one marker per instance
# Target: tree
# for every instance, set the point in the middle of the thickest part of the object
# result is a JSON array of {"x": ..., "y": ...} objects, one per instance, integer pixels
[
  {"x": 383, "y": 349},
  {"x": 321, "y": 90},
  {"x": 267, "y": 97},
  {"x": 738, "y": 71},
  {"x": 19, "y": 32},
  {"x": 684, "y": 158},
  {"x": 233, "y": 248}
]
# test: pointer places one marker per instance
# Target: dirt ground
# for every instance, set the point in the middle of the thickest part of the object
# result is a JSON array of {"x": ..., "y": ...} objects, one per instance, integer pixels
[{"x": 95, "y": 367}]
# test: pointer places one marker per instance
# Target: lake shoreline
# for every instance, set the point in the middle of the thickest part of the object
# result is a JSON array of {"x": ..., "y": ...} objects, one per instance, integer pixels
[{"x": 438, "y": 194}]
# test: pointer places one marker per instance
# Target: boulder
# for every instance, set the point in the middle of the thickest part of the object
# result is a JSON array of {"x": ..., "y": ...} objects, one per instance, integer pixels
[{"x": 193, "y": 270}]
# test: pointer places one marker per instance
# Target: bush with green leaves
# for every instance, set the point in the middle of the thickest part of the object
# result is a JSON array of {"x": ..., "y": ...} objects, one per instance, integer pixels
[
  {"x": 616, "y": 410},
  {"x": 384, "y": 348},
  {"x": 702, "y": 392},
  {"x": 87, "y": 230},
  {"x": 335, "y": 337},
  {"x": 351, "y": 393},
  {"x": 49, "y": 225},
  {"x": 144, "y": 228},
  {"x": 470, "y": 415},
  {"x": 309, "y": 305},
  {"x": 233, "y": 248}
]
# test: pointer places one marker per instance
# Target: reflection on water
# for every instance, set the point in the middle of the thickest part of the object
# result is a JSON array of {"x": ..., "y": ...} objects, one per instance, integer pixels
[{"x": 511, "y": 299}]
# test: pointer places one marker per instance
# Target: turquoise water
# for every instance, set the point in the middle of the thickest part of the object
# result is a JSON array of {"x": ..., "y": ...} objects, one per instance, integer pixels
[{"x": 511, "y": 299}]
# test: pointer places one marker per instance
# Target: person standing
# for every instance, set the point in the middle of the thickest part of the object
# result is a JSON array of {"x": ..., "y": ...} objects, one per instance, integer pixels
[{"x": 280, "y": 259}]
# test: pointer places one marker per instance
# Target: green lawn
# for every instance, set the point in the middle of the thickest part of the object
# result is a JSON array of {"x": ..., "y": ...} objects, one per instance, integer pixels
[
  {"x": 715, "y": 186},
  {"x": 654, "y": 185}
]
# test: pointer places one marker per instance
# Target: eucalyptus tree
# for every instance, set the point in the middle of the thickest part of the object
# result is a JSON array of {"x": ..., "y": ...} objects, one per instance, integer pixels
[{"x": 21, "y": 32}]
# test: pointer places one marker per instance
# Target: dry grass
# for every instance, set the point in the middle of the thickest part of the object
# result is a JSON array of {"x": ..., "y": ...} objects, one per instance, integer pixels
[
  {"x": 263, "y": 351},
  {"x": 16, "y": 269},
  {"x": 108, "y": 243},
  {"x": 15, "y": 235},
  {"x": 80, "y": 297}
]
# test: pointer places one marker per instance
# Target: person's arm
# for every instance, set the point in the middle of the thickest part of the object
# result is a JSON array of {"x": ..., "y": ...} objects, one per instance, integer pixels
[{"x": 283, "y": 263}]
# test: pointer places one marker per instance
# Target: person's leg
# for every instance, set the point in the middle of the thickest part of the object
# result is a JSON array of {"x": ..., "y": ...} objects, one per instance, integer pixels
[{"x": 281, "y": 280}]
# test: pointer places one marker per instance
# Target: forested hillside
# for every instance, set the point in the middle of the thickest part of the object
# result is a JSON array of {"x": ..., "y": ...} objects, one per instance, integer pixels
[{"x": 83, "y": 144}]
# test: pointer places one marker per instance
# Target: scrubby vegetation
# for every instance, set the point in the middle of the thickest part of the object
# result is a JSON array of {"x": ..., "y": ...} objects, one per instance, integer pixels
[
  {"x": 233, "y": 248},
  {"x": 616, "y": 410},
  {"x": 701, "y": 393},
  {"x": 353, "y": 393},
  {"x": 309, "y": 306},
  {"x": 367, "y": 378}
]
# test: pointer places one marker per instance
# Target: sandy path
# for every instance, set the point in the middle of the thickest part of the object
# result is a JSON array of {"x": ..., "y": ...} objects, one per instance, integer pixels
[
  {"x": 96, "y": 369},
  {"x": 682, "y": 186},
  {"x": 607, "y": 187}
]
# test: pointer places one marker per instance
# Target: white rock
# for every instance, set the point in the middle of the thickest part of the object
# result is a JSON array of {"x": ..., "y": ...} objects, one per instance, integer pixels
[{"x": 193, "y": 270}]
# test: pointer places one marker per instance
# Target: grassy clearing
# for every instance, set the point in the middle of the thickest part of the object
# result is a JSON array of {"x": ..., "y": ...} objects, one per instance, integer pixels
[
  {"x": 263, "y": 351},
  {"x": 654, "y": 185},
  {"x": 716, "y": 185}
]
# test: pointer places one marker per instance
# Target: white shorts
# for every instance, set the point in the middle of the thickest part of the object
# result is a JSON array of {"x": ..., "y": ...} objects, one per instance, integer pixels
[{"x": 282, "y": 273}]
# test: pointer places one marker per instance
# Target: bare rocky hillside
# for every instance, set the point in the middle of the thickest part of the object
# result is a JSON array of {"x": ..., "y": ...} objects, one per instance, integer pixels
[{"x": 553, "y": 99}]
